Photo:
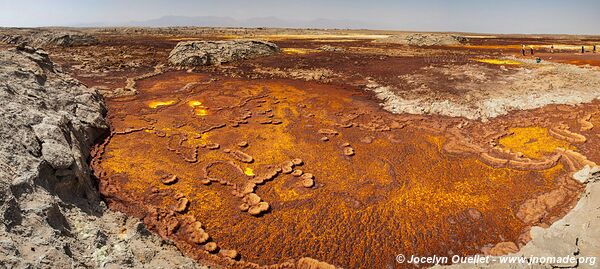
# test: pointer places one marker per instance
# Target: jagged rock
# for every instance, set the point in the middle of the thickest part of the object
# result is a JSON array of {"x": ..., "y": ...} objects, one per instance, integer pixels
[{"x": 200, "y": 53}]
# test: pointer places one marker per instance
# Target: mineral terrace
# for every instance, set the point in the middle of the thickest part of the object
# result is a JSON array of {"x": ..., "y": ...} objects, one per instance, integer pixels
[{"x": 255, "y": 148}]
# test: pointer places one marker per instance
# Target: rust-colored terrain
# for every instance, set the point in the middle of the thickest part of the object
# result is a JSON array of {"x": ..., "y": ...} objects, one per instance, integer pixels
[{"x": 267, "y": 161}]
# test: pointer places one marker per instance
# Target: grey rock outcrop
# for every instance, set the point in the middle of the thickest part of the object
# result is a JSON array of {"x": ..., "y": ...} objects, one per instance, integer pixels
[
  {"x": 425, "y": 39},
  {"x": 51, "y": 215},
  {"x": 40, "y": 38},
  {"x": 200, "y": 53}
]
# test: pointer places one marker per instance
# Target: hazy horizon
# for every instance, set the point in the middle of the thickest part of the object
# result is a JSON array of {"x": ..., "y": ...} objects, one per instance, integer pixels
[{"x": 518, "y": 17}]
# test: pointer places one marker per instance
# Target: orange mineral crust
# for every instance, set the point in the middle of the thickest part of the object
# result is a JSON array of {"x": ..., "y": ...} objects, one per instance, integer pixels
[{"x": 246, "y": 173}]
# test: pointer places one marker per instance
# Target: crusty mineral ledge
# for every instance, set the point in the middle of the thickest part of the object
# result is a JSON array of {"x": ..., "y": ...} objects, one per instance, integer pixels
[
  {"x": 576, "y": 235},
  {"x": 51, "y": 214}
]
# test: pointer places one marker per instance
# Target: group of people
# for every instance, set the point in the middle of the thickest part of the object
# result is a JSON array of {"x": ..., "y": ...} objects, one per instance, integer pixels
[
  {"x": 593, "y": 49},
  {"x": 530, "y": 48},
  {"x": 524, "y": 51}
]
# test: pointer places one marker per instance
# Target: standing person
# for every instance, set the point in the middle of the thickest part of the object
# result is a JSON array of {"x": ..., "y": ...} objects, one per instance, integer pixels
[
  {"x": 551, "y": 48},
  {"x": 582, "y": 49},
  {"x": 523, "y": 49},
  {"x": 531, "y": 49},
  {"x": 594, "y": 49}
]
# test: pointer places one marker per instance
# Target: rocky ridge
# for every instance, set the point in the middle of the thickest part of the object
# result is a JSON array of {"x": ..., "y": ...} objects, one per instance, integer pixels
[{"x": 40, "y": 38}]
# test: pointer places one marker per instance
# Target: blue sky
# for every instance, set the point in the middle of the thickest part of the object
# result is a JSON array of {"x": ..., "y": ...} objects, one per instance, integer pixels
[{"x": 527, "y": 16}]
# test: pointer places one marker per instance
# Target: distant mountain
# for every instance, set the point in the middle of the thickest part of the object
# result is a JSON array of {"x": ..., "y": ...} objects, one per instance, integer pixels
[
  {"x": 208, "y": 21},
  {"x": 214, "y": 21}
]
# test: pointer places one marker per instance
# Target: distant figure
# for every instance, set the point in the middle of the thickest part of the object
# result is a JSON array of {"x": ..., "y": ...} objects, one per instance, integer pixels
[
  {"x": 594, "y": 49},
  {"x": 523, "y": 49},
  {"x": 531, "y": 49},
  {"x": 551, "y": 48},
  {"x": 582, "y": 49},
  {"x": 538, "y": 60}
]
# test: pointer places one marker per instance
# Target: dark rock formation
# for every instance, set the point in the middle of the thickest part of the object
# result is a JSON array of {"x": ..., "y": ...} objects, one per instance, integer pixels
[{"x": 200, "y": 53}]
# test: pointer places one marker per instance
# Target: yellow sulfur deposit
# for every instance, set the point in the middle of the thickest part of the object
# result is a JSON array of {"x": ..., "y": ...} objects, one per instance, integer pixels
[
  {"x": 199, "y": 109},
  {"x": 248, "y": 171},
  {"x": 194, "y": 103},
  {"x": 156, "y": 104},
  {"x": 533, "y": 142},
  {"x": 201, "y": 112},
  {"x": 298, "y": 51},
  {"x": 498, "y": 61}
]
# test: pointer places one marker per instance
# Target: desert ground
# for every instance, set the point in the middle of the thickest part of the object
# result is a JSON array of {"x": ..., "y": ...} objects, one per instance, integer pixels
[{"x": 338, "y": 148}]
